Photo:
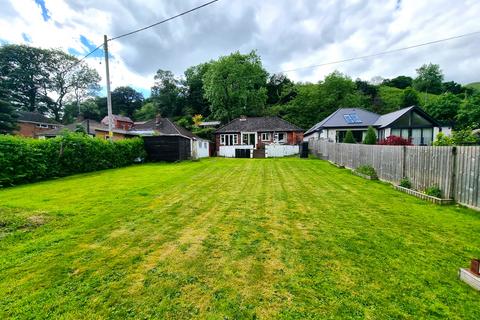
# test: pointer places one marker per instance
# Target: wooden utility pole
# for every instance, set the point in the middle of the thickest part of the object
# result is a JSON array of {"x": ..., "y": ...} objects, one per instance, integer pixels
[{"x": 109, "y": 95}]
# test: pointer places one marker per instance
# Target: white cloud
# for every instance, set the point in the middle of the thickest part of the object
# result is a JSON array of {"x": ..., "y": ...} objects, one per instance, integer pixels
[{"x": 287, "y": 34}]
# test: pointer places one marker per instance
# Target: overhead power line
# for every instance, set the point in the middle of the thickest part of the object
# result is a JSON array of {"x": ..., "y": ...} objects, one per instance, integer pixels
[
  {"x": 382, "y": 53},
  {"x": 142, "y": 29},
  {"x": 163, "y": 21},
  {"x": 362, "y": 57}
]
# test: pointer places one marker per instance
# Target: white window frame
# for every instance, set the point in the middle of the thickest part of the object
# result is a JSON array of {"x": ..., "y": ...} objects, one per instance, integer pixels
[
  {"x": 228, "y": 139},
  {"x": 265, "y": 136},
  {"x": 41, "y": 125},
  {"x": 275, "y": 137}
]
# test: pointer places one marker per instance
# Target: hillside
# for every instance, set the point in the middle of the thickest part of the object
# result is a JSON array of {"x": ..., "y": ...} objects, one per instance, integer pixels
[
  {"x": 392, "y": 97},
  {"x": 474, "y": 85}
]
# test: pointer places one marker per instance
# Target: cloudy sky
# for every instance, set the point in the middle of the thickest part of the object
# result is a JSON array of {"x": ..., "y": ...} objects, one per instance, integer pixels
[{"x": 287, "y": 34}]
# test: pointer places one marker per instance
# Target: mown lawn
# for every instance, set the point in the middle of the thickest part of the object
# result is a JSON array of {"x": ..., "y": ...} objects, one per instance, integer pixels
[{"x": 232, "y": 238}]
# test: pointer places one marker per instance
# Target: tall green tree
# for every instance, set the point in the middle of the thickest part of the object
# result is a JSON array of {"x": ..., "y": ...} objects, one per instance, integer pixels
[
  {"x": 168, "y": 94},
  {"x": 429, "y": 79},
  {"x": 445, "y": 108},
  {"x": 453, "y": 87},
  {"x": 469, "y": 112},
  {"x": 147, "y": 112},
  {"x": 195, "y": 101},
  {"x": 126, "y": 100},
  {"x": 400, "y": 82},
  {"x": 314, "y": 102},
  {"x": 236, "y": 85},
  {"x": 409, "y": 98},
  {"x": 44, "y": 80},
  {"x": 279, "y": 89},
  {"x": 24, "y": 73},
  {"x": 8, "y": 118},
  {"x": 69, "y": 80}
]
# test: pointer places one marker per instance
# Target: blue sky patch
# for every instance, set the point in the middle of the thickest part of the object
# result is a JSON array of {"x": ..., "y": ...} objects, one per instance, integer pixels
[
  {"x": 91, "y": 46},
  {"x": 45, "y": 13},
  {"x": 26, "y": 37}
]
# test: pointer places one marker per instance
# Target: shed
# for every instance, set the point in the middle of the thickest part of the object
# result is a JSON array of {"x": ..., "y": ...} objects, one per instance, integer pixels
[{"x": 168, "y": 148}]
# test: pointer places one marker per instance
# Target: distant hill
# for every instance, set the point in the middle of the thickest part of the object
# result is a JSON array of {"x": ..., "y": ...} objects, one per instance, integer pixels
[
  {"x": 474, "y": 85},
  {"x": 392, "y": 98}
]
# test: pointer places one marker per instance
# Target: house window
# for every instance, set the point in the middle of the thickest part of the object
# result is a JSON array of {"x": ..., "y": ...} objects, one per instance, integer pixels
[
  {"x": 228, "y": 139},
  {"x": 265, "y": 136},
  {"x": 41, "y": 125},
  {"x": 280, "y": 137}
]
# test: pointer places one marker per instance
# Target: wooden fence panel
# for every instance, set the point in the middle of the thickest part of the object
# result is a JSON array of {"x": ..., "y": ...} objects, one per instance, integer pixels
[
  {"x": 467, "y": 189},
  {"x": 430, "y": 166},
  {"x": 455, "y": 170}
]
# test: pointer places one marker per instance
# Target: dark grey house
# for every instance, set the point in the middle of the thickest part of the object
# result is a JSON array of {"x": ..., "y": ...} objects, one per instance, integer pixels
[{"x": 409, "y": 123}]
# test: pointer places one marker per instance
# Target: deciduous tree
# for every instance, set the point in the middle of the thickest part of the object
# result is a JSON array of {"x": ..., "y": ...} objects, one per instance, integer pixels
[
  {"x": 236, "y": 85},
  {"x": 429, "y": 79},
  {"x": 126, "y": 100}
]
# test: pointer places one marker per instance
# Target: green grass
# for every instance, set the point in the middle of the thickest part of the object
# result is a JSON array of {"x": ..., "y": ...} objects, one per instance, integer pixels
[
  {"x": 474, "y": 85},
  {"x": 232, "y": 238}
]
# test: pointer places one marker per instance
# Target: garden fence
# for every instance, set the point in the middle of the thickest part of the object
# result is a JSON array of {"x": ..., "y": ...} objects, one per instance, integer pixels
[{"x": 455, "y": 170}]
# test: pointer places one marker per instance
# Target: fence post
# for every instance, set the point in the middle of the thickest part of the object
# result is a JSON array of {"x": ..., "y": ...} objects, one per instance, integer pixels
[
  {"x": 453, "y": 175},
  {"x": 404, "y": 161}
]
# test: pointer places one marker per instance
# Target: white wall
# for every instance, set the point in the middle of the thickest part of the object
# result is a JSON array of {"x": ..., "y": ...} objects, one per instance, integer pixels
[
  {"x": 229, "y": 151},
  {"x": 280, "y": 150},
  {"x": 445, "y": 130},
  {"x": 203, "y": 147}
]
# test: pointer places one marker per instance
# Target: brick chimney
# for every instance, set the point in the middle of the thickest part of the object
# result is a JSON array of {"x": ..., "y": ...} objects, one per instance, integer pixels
[
  {"x": 243, "y": 118},
  {"x": 158, "y": 117}
]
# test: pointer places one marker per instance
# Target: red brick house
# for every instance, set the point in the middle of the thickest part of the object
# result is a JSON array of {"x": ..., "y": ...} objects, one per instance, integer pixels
[
  {"x": 258, "y": 137},
  {"x": 119, "y": 122},
  {"x": 32, "y": 124}
]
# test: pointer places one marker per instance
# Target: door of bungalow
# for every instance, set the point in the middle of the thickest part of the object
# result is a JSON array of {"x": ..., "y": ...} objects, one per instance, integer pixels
[{"x": 249, "y": 138}]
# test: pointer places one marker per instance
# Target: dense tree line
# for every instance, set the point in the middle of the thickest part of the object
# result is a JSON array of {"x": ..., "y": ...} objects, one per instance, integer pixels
[{"x": 43, "y": 80}]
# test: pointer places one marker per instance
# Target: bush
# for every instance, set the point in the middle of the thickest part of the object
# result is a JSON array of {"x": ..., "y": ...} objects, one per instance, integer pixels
[
  {"x": 464, "y": 137},
  {"x": 434, "y": 191},
  {"x": 26, "y": 160},
  {"x": 349, "y": 137},
  {"x": 442, "y": 140},
  {"x": 370, "y": 136},
  {"x": 405, "y": 183},
  {"x": 395, "y": 141},
  {"x": 367, "y": 170}
]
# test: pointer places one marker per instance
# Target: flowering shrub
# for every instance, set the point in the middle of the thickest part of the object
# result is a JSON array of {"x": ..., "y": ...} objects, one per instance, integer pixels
[{"x": 396, "y": 141}]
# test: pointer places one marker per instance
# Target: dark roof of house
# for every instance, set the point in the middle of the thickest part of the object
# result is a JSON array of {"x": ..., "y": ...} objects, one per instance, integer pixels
[
  {"x": 117, "y": 117},
  {"x": 25, "y": 116},
  {"x": 92, "y": 125},
  {"x": 255, "y": 124},
  {"x": 366, "y": 118},
  {"x": 164, "y": 126}
]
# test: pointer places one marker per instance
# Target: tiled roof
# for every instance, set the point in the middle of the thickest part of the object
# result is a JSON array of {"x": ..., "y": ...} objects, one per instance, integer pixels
[
  {"x": 164, "y": 126},
  {"x": 256, "y": 124},
  {"x": 92, "y": 124},
  {"x": 367, "y": 118},
  {"x": 25, "y": 116},
  {"x": 117, "y": 117}
]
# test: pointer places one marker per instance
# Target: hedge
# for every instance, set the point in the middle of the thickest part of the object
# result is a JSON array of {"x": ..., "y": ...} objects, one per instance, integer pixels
[{"x": 27, "y": 160}]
